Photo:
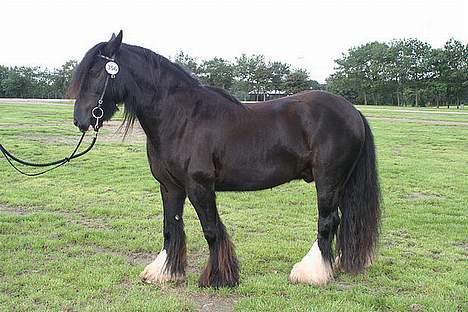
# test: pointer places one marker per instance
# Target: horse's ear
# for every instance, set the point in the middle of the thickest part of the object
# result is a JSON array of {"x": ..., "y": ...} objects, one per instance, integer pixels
[
  {"x": 113, "y": 36},
  {"x": 113, "y": 45}
]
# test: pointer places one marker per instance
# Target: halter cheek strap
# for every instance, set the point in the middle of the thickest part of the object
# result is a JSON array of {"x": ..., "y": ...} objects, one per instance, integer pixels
[{"x": 112, "y": 69}]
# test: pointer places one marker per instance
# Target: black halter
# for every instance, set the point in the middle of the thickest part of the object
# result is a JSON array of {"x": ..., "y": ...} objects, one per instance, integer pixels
[{"x": 97, "y": 113}]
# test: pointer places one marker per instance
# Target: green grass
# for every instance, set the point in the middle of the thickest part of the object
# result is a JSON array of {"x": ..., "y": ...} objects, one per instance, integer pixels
[{"x": 77, "y": 238}]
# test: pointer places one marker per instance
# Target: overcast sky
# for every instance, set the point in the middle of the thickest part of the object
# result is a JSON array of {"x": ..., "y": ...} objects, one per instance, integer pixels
[{"x": 309, "y": 34}]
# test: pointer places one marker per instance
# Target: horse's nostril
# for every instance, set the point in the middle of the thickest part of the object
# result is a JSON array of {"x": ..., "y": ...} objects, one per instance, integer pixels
[{"x": 75, "y": 122}]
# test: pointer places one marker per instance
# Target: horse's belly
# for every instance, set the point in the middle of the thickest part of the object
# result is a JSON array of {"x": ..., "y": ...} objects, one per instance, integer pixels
[
  {"x": 262, "y": 160},
  {"x": 255, "y": 178}
]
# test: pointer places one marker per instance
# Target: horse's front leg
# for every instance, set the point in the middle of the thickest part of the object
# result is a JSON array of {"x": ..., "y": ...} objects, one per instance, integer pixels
[
  {"x": 222, "y": 269},
  {"x": 171, "y": 262}
]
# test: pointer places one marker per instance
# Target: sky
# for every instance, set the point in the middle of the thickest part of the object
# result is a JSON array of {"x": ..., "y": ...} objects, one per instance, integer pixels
[{"x": 307, "y": 34}]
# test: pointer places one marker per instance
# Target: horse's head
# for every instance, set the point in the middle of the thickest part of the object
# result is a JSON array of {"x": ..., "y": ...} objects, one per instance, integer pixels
[{"x": 89, "y": 85}]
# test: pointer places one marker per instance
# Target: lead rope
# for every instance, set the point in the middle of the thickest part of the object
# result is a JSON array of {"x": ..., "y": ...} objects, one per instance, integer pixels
[
  {"x": 112, "y": 69},
  {"x": 58, "y": 163}
]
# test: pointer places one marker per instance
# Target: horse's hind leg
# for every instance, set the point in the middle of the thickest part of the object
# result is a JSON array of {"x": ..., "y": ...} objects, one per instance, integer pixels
[
  {"x": 316, "y": 267},
  {"x": 222, "y": 269},
  {"x": 170, "y": 264}
]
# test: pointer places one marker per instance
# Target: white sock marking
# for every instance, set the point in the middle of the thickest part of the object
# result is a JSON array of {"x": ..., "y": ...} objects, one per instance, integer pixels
[
  {"x": 312, "y": 269},
  {"x": 156, "y": 270}
]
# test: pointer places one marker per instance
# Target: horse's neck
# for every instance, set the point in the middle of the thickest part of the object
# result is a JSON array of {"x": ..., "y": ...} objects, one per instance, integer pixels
[{"x": 164, "y": 99}]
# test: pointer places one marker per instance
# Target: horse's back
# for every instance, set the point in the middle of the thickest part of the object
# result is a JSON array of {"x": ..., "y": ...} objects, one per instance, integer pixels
[{"x": 313, "y": 111}]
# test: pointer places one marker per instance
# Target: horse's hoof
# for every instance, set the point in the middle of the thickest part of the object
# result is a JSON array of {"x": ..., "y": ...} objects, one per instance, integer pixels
[
  {"x": 312, "y": 269},
  {"x": 156, "y": 271}
]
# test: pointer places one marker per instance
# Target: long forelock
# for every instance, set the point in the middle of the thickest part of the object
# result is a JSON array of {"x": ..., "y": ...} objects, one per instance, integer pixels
[{"x": 81, "y": 71}]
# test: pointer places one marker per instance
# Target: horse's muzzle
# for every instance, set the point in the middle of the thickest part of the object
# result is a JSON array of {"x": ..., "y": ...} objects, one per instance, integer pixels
[{"x": 81, "y": 126}]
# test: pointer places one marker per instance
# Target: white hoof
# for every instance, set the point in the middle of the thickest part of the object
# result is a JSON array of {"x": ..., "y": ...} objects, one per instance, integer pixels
[
  {"x": 312, "y": 269},
  {"x": 155, "y": 272}
]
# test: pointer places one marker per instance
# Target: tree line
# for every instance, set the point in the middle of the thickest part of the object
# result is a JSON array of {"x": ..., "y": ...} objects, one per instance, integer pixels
[
  {"x": 400, "y": 72},
  {"x": 250, "y": 77},
  {"x": 35, "y": 82},
  {"x": 403, "y": 72}
]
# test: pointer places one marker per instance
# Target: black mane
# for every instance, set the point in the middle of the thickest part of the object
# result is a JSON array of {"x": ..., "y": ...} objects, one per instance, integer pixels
[
  {"x": 223, "y": 93},
  {"x": 183, "y": 71},
  {"x": 155, "y": 64},
  {"x": 84, "y": 66},
  {"x": 186, "y": 73}
]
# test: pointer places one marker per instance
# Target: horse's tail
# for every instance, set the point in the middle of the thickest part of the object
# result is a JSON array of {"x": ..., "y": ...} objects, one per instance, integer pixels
[{"x": 360, "y": 210}]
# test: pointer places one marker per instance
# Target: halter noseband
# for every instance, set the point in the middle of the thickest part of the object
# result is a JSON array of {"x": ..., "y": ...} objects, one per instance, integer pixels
[{"x": 112, "y": 69}]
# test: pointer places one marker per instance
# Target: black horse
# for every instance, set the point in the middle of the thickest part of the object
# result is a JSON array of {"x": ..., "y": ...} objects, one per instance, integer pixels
[{"x": 201, "y": 140}]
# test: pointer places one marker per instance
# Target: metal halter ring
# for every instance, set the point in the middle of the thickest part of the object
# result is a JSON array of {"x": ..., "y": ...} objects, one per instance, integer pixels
[{"x": 97, "y": 109}]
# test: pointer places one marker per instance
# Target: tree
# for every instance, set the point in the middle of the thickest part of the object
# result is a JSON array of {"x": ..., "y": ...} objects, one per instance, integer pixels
[
  {"x": 436, "y": 86},
  {"x": 35, "y": 82},
  {"x": 297, "y": 81},
  {"x": 339, "y": 83},
  {"x": 407, "y": 71},
  {"x": 61, "y": 78},
  {"x": 18, "y": 83},
  {"x": 411, "y": 66},
  {"x": 364, "y": 70},
  {"x": 240, "y": 89},
  {"x": 254, "y": 71},
  {"x": 455, "y": 74},
  {"x": 278, "y": 75},
  {"x": 187, "y": 61},
  {"x": 4, "y": 71},
  {"x": 217, "y": 72}
]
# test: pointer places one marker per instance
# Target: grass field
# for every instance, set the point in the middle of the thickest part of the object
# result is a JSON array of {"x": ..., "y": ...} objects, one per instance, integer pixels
[{"x": 77, "y": 238}]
